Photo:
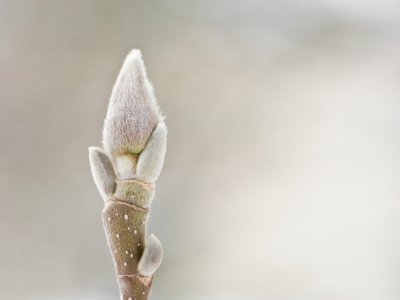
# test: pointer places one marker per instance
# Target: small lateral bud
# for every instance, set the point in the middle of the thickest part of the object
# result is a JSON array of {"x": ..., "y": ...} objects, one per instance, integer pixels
[
  {"x": 152, "y": 256},
  {"x": 102, "y": 171}
]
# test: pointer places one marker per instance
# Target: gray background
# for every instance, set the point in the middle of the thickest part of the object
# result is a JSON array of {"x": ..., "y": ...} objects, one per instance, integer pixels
[{"x": 281, "y": 179}]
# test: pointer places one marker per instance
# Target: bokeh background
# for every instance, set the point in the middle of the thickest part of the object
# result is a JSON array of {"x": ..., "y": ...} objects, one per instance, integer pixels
[{"x": 281, "y": 179}]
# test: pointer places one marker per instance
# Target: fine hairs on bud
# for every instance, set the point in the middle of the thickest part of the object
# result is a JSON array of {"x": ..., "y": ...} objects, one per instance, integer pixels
[{"x": 132, "y": 116}]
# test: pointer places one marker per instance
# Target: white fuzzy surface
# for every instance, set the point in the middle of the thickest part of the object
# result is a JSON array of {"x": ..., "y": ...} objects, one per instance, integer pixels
[
  {"x": 152, "y": 256},
  {"x": 102, "y": 171},
  {"x": 151, "y": 159},
  {"x": 125, "y": 166},
  {"x": 133, "y": 112},
  {"x": 133, "y": 115}
]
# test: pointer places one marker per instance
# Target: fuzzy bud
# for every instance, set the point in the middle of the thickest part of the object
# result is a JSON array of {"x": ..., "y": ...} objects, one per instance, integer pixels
[{"x": 133, "y": 115}]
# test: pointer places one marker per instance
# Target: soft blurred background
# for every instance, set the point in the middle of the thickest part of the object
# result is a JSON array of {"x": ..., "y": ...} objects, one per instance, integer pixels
[{"x": 281, "y": 179}]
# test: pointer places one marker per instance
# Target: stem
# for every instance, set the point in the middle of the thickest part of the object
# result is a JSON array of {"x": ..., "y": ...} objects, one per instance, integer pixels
[{"x": 124, "y": 219}]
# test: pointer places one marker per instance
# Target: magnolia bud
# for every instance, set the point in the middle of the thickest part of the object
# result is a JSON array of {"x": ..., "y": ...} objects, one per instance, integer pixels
[{"x": 133, "y": 115}]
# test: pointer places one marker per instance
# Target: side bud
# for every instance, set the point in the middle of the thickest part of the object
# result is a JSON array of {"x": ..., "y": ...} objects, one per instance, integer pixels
[
  {"x": 151, "y": 159},
  {"x": 103, "y": 172},
  {"x": 152, "y": 257}
]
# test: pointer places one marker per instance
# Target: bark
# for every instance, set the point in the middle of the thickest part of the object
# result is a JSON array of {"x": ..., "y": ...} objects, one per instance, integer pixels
[{"x": 124, "y": 219}]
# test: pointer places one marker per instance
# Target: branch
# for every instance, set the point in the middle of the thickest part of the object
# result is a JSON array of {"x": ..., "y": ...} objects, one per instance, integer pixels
[{"x": 134, "y": 139}]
